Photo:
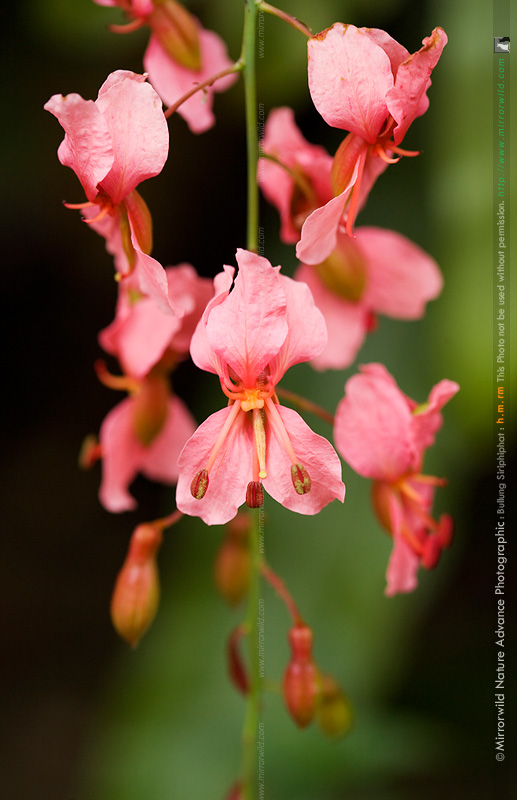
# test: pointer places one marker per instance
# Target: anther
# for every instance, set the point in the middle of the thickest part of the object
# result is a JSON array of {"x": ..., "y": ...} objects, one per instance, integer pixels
[
  {"x": 254, "y": 494},
  {"x": 199, "y": 484},
  {"x": 300, "y": 478}
]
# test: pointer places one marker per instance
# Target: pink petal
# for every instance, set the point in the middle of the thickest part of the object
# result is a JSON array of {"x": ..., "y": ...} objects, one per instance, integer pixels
[
  {"x": 190, "y": 293},
  {"x": 139, "y": 132},
  {"x": 229, "y": 476},
  {"x": 139, "y": 335},
  {"x": 320, "y": 229},
  {"x": 349, "y": 77},
  {"x": 307, "y": 334},
  {"x": 152, "y": 279},
  {"x": 121, "y": 457},
  {"x": 402, "y": 278},
  {"x": 160, "y": 459},
  {"x": 172, "y": 80},
  {"x": 396, "y": 52},
  {"x": 201, "y": 350},
  {"x": 373, "y": 428},
  {"x": 346, "y": 323},
  {"x": 408, "y": 99},
  {"x": 427, "y": 422},
  {"x": 318, "y": 457},
  {"x": 248, "y": 329},
  {"x": 87, "y": 147}
]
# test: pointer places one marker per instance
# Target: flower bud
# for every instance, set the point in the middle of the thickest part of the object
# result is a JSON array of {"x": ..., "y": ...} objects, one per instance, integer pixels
[
  {"x": 300, "y": 478},
  {"x": 301, "y": 678},
  {"x": 335, "y": 714},
  {"x": 90, "y": 452},
  {"x": 199, "y": 484},
  {"x": 254, "y": 494},
  {"x": 232, "y": 565},
  {"x": 137, "y": 589},
  {"x": 177, "y": 31}
]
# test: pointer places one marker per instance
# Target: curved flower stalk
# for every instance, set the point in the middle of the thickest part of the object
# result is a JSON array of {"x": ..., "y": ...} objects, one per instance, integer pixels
[
  {"x": 113, "y": 144},
  {"x": 376, "y": 272},
  {"x": 249, "y": 337},
  {"x": 180, "y": 54},
  {"x": 383, "y": 435},
  {"x": 146, "y": 432},
  {"x": 361, "y": 80}
]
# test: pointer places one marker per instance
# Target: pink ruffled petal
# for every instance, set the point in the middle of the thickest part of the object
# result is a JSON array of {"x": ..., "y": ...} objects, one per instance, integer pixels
[
  {"x": 229, "y": 476},
  {"x": 160, "y": 460},
  {"x": 248, "y": 329},
  {"x": 349, "y": 77},
  {"x": 346, "y": 323},
  {"x": 307, "y": 334},
  {"x": 402, "y": 278},
  {"x": 408, "y": 99},
  {"x": 396, "y": 52},
  {"x": 373, "y": 428},
  {"x": 318, "y": 457},
  {"x": 121, "y": 458},
  {"x": 87, "y": 147},
  {"x": 140, "y": 136},
  {"x": 172, "y": 80}
]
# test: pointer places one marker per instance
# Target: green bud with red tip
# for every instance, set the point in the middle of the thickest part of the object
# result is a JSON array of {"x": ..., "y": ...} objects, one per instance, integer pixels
[{"x": 335, "y": 714}]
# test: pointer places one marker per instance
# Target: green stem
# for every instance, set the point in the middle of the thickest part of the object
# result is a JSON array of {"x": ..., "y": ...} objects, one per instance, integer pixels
[
  {"x": 250, "y": 99},
  {"x": 251, "y": 722}
]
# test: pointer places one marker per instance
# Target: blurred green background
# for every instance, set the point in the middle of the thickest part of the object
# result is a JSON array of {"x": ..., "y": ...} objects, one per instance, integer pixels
[{"x": 85, "y": 718}]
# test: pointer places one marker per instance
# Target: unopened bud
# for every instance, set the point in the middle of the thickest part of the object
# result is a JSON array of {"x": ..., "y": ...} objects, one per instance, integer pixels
[
  {"x": 254, "y": 494},
  {"x": 199, "y": 484},
  {"x": 137, "y": 589},
  {"x": 177, "y": 31},
  {"x": 335, "y": 714},
  {"x": 301, "y": 678},
  {"x": 445, "y": 530},
  {"x": 300, "y": 479},
  {"x": 232, "y": 565}
]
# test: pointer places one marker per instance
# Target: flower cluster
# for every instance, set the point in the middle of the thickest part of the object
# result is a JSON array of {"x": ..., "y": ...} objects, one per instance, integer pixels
[{"x": 248, "y": 326}]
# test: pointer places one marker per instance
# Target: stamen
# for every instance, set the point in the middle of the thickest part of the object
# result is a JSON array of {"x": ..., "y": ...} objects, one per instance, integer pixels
[
  {"x": 199, "y": 485},
  {"x": 86, "y": 204},
  {"x": 278, "y": 426},
  {"x": 381, "y": 152},
  {"x": 230, "y": 419},
  {"x": 128, "y": 27},
  {"x": 124, "y": 383},
  {"x": 105, "y": 210},
  {"x": 259, "y": 436}
]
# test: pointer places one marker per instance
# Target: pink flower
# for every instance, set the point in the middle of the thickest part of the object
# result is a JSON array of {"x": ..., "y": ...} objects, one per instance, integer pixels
[
  {"x": 180, "y": 54},
  {"x": 124, "y": 454},
  {"x": 142, "y": 334},
  {"x": 361, "y": 80},
  {"x": 113, "y": 144},
  {"x": 383, "y": 435},
  {"x": 295, "y": 175},
  {"x": 249, "y": 337},
  {"x": 377, "y": 272},
  {"x": 146, "y": 431}
]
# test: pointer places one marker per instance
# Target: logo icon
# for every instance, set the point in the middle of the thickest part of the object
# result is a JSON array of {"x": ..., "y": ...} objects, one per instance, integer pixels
[{"x": 501, "y": 44}]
